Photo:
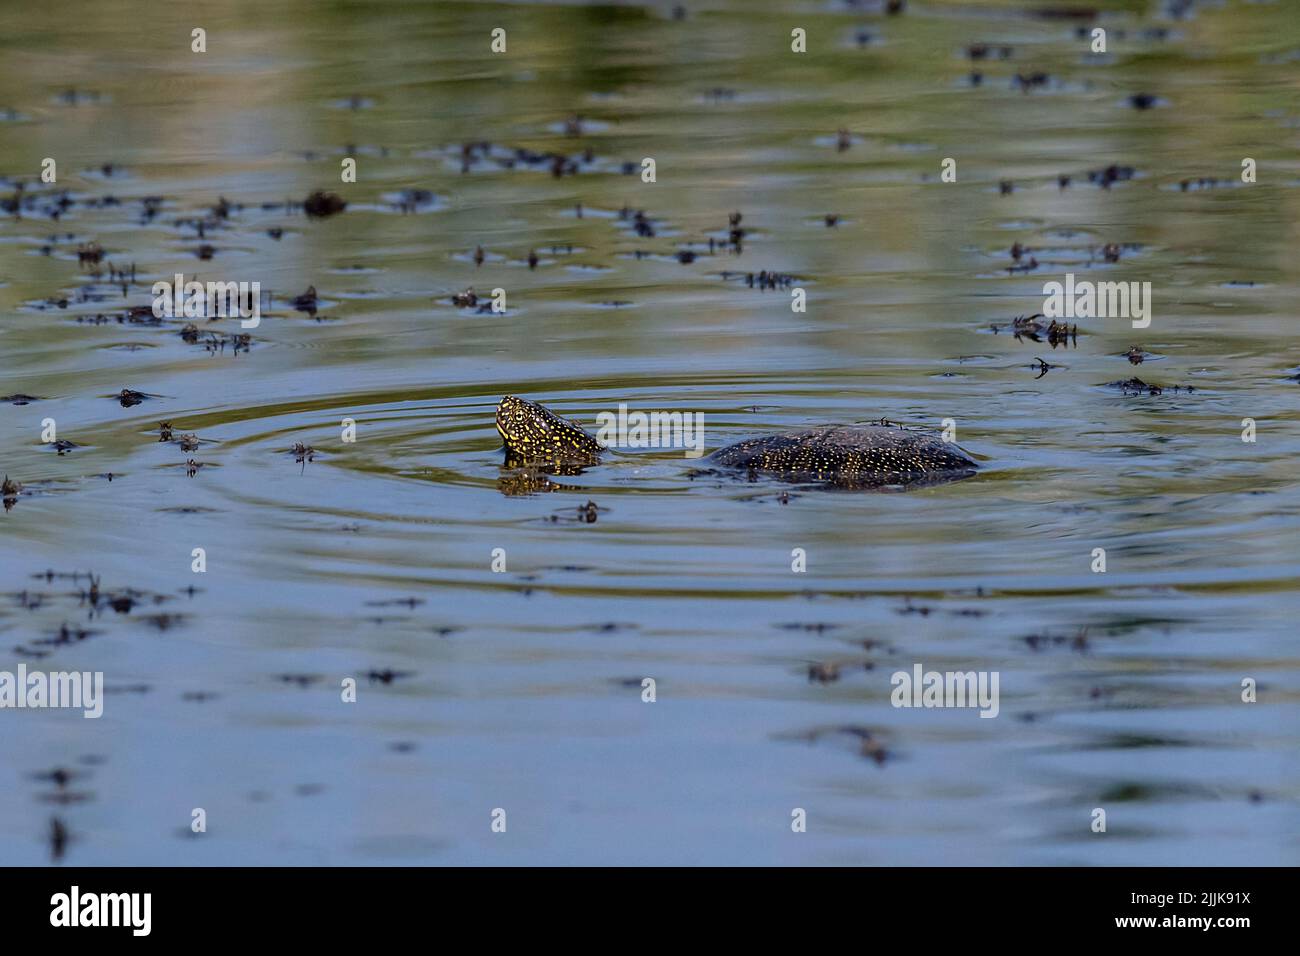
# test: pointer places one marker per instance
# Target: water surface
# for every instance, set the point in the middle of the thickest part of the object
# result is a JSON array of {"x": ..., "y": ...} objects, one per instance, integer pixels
[{"x": 521, "y": 689}]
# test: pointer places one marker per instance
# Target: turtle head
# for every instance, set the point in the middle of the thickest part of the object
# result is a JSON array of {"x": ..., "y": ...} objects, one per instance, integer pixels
[{"x": 532, "y": 432}]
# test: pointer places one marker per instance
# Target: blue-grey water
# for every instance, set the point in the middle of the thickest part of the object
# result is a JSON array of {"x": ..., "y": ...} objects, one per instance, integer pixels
[{"x": 521, "y": 689}]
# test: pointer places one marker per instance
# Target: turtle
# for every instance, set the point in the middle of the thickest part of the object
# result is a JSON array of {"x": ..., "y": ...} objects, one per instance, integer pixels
[{"x": 833, "y": 456}]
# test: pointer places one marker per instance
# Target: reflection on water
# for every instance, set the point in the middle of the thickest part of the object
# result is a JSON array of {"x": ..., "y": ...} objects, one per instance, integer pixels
[{"x": 520, "y": 687}]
